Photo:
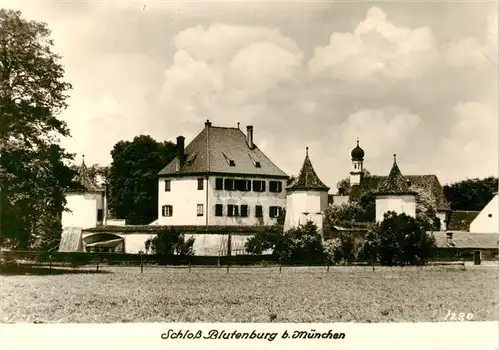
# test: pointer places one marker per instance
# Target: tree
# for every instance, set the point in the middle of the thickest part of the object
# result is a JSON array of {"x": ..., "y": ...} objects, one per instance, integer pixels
[
  {"x": 471, "y": 194},
  {"x": 341, "y": 248},
  {"x": 426, "y": 211},
  {"x": 170, "y": 242},
  {"x": 345, "y": 215},
  {"x": 33, "y": 171},
  {"x": 133, "y": 178},
  {"x": 399, "y": 240},
  {"x": 344, "y": 185},
  {"x": 300, "y": 244}
]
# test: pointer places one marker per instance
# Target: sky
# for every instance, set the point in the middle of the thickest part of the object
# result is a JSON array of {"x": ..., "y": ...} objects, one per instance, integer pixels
[{"x": 416, "y": 79}]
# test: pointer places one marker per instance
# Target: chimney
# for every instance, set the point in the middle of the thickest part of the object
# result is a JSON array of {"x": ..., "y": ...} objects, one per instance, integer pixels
[
  {"x": 208, "y": 123},
  {"x": 180, "y": 150},
  {"x": 250, "y": 136}
]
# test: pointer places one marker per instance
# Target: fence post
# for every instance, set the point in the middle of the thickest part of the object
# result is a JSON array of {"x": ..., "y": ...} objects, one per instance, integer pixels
[
  {"x": 50, "y": 264},
  {"x": 189, "y": 265},
  {"x": 279, "y": 264},
  {"x": 97, "y": 269},
  {"x": 142, "y": 263},
  {"x": 328, "y": 267},
  {"x": 227, "y": 267}
]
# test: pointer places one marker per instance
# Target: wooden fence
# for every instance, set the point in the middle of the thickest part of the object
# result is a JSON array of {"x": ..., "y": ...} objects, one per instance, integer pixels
[{"x": 76, "y": 259}]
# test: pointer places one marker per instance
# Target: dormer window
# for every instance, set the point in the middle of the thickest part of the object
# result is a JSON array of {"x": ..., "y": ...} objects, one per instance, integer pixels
[
  {"x": 191, "y": 158},
  {"x": 255, "y": 162},
  {"x": 228, "y": 160}
]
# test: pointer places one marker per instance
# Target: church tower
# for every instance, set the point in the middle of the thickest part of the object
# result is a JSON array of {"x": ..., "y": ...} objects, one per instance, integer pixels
[
  {"x": 307, "y": 198},
  {"x": 357, "y": 156},
  {"x": 394, "y": 194}
]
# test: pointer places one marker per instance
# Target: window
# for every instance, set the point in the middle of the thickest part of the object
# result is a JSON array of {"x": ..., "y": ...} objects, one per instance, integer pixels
[
  {"x": 242, "y": 185},
  {"x": 275, "y": 186},
  {"x": 218, "y": 210},
  {"x": 259, "y": 186},
  {"x": 255, "y": 162},
  {"x": 244, "y": 210},
  {"x": 99, "y": 214},
  {"x": 229, "y": 184},
  {"x": 219, "y": 184},
  {"x": 274, "y": 212},
  {"x": 167, "y": 210},
  {"x": 489, "y": 215},
  {"x": 167, "y": 185},
  {"x": 258, "y": 211},
  {"x": 232, "y": 210},
  {"x": 200, "y": 184},
  {"x": 199, "y": 210},
  {"x": 228, "y": 160}
]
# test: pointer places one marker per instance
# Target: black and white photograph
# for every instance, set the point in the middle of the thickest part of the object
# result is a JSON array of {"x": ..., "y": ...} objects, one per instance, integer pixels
[{"x": 249, "y": 162}]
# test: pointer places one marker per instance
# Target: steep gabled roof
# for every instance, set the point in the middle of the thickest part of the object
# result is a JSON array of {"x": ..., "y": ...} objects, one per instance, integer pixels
[
  {"x": 84, "y": 178},
  {"x": 395, "y": 183},
  {"x": 428, "y": 184},
  {"x": 222, "y": 150},
  {"x": 307, "y": 178}
]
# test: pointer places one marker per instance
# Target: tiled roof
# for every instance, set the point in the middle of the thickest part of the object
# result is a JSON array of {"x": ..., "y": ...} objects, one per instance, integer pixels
[
  {"x": 307, "y": 178},
  {"x": 395, "y": 183},
  {"x": 213, "y": 150},
  {"x": 419, "y": 183},
  {"x": 461, "y": 239},
  {"x": 460, "y": 220},
  {"x": 86, "y": 180}
]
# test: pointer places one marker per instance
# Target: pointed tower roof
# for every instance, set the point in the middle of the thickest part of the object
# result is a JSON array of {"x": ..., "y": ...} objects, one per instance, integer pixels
[
  {"x": 85, "y": 179},
  {"x": 307, "y": 178},
  {"x": 395, "y": 183}
]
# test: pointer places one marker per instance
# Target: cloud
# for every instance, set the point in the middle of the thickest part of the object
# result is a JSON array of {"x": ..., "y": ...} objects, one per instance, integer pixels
[
  {"x": 221, "y": 68},
  {"x": 316, "y": 75},
  {"x": 376, "y": 48}
]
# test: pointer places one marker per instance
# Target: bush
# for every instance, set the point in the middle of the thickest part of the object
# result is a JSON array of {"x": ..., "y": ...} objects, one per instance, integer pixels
[
  {"x": 301, "y": 244},
  {"x": 170, "y": 242},
  {"x": 398, "y": 240},
  {"x": 342, "y": 248}
]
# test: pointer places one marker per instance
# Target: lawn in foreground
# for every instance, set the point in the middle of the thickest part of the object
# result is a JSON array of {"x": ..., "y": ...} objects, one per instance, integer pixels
[{"x": 344, "y": 294}]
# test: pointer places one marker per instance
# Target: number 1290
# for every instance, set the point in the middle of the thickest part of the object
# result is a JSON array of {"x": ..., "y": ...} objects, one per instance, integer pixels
[{"x": 453, "y": 316}]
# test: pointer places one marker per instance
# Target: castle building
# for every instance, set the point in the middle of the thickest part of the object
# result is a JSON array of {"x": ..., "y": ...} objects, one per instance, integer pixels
[
  {"x": 394, "y": 194},
  {"x": 85, "y": 207},
  {"x": 363, "y": 186},
  {"x": 307, "y": 198},
  {"x": 221, "y": 178}
]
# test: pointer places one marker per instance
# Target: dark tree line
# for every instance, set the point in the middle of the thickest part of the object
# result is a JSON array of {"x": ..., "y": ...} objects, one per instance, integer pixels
[
  {"x": 133, "y": 178},
  {"x": 471, "y": 194}
]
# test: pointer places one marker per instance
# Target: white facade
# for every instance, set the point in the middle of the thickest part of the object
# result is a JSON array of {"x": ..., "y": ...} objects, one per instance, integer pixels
[
  {"x": 487, "y": 220},
  {"x": 397, "y": 203},
  {"x": 189, "y": 205},
  {"x": 303, "y": 206},
  {"x": 339, "y": 200},
  {"x": 83, "y": 210}
]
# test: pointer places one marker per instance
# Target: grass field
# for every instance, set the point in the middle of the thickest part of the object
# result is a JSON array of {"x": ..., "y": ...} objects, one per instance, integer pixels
[{"x": 344, "y": 294}]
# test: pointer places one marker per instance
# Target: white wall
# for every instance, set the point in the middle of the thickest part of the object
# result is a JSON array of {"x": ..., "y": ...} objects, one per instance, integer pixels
[
  {"x": 397, "y": 203},
  {"x": 184, "y": 197},
  {"x": 303, "y": 206},
  {"x": 442, "y": 215},
  {"x": 204, "y": 244},
  {"x": 339, "y": 200},
  {"x": 83, "y": 210},
  {"x": 487, "y": 220}
]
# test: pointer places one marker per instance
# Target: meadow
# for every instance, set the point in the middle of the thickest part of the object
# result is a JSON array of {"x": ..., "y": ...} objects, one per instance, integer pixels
[{"x": 297, "y": 294}]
